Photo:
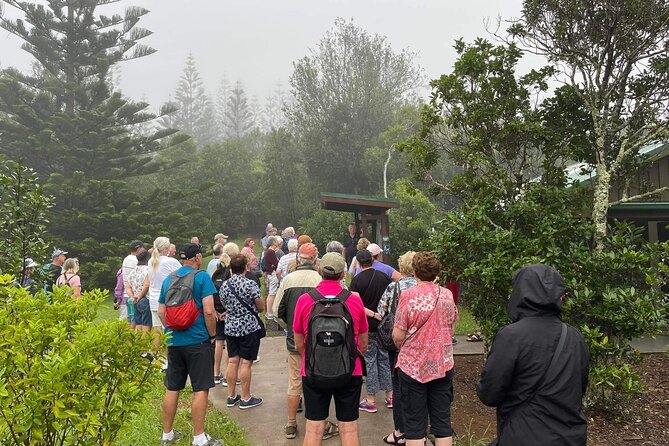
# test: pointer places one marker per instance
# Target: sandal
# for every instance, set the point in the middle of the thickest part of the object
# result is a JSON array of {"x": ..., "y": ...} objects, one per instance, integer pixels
[
  {"x": 475, "y": 337},
  {"x": 330, "y": 431},
  {"x": 395, "y": 440}
]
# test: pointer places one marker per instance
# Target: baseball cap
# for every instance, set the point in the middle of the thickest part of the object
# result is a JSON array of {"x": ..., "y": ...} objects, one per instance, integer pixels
[
  {"x": 220, "y": 235},
  {"x": 136, "y": 244},
  {"x": 364, "y": 257},
  {"x": 308, "y": 251},
  {"x": 190, "y": 250},
  {"x": 301, "y": 240},
  {"x": 58, "y": 252},
  {"x": 333, "y": 264},
  {"x": 374, "y": 249}
]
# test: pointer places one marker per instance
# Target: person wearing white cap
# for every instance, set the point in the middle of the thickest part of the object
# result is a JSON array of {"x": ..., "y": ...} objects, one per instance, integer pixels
[
  {"x": 378, "y": 265},
  {"x": 28, "y": 269},
  {"x": 51, "y": 271}
]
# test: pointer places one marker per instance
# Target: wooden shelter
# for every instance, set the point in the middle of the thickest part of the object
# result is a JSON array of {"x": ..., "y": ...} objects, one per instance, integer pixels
[{"x": 368, "y": 211}]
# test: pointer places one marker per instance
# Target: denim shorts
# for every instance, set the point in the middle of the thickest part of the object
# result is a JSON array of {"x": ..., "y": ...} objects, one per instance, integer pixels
[{"x": 143, "y": 313}]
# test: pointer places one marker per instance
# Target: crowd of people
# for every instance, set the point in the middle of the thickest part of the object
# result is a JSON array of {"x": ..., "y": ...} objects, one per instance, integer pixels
[{"x": 349, "y": 318}]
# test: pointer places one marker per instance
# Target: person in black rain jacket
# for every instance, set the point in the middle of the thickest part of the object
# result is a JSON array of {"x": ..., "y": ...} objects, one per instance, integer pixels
[{"x": 530, "y": 410}]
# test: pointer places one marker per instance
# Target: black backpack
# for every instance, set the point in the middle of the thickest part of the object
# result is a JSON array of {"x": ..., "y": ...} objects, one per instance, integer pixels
[{"x": 330, "y": 350}]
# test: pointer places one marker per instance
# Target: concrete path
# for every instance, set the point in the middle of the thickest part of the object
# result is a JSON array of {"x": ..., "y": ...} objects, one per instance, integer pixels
[{"x": 264, "y": 424}]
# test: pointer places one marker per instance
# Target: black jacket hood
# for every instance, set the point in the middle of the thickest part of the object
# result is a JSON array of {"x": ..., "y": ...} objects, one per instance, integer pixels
[{"x": 537, "y": 291}]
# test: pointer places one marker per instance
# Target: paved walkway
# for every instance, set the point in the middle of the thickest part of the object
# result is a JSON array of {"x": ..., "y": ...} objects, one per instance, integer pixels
[{"x": 264, "y": 424}]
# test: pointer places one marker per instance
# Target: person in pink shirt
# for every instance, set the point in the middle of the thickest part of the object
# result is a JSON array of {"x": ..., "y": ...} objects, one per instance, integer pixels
[
  {"x": 346, "y": 398},
  {"x": 423, "y": 333}
]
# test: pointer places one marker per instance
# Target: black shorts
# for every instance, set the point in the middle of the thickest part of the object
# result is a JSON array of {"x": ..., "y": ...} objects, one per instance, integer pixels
[
  {"x": 317, "y": 401},
  {"x": 420, "y": 399},
  {"x": 194, "y": 361},
  {"x": 143, "y": 313},
  {"x": 246, "y": 347},
  {"x": 220, "y": 330}
]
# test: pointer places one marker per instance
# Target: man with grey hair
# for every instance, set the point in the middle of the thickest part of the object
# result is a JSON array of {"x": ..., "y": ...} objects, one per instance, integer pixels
[
  {"x": 287, "y": 235},
  {"x": 287, "y": 259},
  {"x": 302, "y": 280}
]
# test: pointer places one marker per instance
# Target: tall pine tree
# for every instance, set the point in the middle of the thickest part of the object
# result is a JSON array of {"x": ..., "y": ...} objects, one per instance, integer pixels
[
  {"x": 238, "y": 115},
  {"x": 65, "y": 120},
  {"x": 195, "y": 115}
]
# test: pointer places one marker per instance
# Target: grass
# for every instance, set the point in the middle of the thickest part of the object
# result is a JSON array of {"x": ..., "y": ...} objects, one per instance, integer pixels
[
  {"x": 466, "y": 323},
  {"x": 145, "y": 427}
]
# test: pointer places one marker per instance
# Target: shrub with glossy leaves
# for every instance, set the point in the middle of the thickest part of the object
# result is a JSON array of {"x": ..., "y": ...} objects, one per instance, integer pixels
[{"x": 65, "y": 379}]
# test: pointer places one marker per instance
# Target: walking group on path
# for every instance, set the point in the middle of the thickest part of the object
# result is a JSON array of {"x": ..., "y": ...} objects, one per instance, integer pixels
[{"x": 391, "y": 330}]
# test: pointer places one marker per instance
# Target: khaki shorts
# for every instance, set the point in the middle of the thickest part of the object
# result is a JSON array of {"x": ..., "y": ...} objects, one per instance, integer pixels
[{"x": 294, "y": 378}]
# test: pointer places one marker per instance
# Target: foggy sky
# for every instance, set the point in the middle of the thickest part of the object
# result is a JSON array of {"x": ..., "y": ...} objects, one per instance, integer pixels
[{"x": 257, "y": 41}]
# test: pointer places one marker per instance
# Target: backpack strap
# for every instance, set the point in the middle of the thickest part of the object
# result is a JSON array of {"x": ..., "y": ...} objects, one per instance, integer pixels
[
  {"x": 315, "y": 294},
  {"x": 341, "y": 296}
]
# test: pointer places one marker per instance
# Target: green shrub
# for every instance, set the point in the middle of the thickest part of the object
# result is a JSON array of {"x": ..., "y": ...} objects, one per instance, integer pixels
[
  {"x": 64, "y": 379},
  {"x": 324, "y": 226},
  {"x": 614, "y": 294}
]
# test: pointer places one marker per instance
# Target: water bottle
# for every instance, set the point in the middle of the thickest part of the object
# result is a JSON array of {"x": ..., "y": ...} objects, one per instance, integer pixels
[{"x": 131, "y": 309}]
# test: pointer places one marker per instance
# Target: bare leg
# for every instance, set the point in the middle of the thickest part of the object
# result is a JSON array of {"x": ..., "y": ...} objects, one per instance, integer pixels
[
  {"x": 170, "y": 402},
  {"x": 313, "y": 435},
  {"x": 231, "y": 375},
  {"x": 293, "y": 404},
  {"x": 245, "y": 377},
  {"x": 199, "y": 411},
  {"x": 270, "y": 302},
  {"x": 218, "y": 357},
  {"x": 348, "y": 432},
  {"x": 446, "y": 441},
  {"x": 420, "y": 442}
]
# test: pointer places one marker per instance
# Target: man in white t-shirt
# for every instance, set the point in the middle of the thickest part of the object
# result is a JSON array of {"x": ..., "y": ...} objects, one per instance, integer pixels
[{"x": 129, "y": 264}]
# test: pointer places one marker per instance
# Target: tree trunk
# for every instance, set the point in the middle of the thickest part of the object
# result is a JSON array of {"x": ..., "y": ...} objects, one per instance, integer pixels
[{"x": 601, "y": 204}]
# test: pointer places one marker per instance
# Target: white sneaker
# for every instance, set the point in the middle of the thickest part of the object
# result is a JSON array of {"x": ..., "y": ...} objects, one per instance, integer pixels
[{"x": 257, "y": 359}]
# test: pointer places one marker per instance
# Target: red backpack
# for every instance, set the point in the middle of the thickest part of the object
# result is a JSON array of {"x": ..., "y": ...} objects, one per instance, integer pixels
[{"x": 181, "y": 310}]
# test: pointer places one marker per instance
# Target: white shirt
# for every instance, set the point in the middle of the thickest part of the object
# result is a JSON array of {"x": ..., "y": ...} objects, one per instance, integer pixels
[
  {"x": 211, "y": 267},
  {"x": 166, "y": 266},
  {"x": 129, "y": 265}
]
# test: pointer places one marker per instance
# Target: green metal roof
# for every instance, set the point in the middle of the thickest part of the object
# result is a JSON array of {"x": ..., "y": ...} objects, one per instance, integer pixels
[{"x": 658, "y": 210}]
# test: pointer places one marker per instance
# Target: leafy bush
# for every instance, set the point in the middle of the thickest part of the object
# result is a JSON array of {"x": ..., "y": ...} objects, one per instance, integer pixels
[
  {"x": 23, "y": 217},
  {"x": 412, "y": 221},
  {"x": 324, "y": 226},
  {"x": 65, "y": 380},
  {"x": 614, "y": 294}
]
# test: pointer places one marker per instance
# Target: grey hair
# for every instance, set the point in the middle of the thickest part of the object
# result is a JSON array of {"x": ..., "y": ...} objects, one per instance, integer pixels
[
  {"x": 335, "y": 246},
  {"x": 292, "y": 245},
  {"x": 273, "y": 240}
]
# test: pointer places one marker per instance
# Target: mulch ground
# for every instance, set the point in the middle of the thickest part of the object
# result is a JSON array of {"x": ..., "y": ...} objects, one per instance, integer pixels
[{"x": 649, "y": 426}]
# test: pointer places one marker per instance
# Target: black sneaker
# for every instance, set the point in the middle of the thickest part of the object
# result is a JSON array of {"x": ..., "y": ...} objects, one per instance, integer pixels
[
  {"x": 299, "y": 407},
  {"x": 251, "y": 402},
  {"x": 217, "y": 379},
  {"x": 232, "y": 401}
]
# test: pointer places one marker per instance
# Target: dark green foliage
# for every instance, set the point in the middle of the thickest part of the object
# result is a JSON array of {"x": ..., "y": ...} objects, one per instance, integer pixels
[
  {"x": 516, "y": 209},
  {"x": 23, "y": 218},
  {"x": 324, "y": 226},
  {"x": 65, "y": 380},
  {"x": 412, "y": 222},
  {"x": 613, "y": 56},
  {"x": 67, "y": 123}
]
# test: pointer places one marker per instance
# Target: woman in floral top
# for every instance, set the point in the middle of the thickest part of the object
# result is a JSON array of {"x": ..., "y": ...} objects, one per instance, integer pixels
[
  {"x": 394, "y": 291},
  {"x": 423, "y": 331}
]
